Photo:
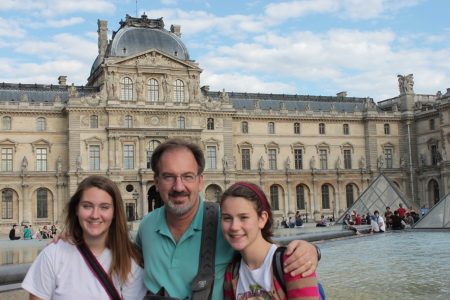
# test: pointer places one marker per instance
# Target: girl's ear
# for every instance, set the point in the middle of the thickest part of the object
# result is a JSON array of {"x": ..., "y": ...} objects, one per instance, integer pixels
[{"x": 263, "y": 219}]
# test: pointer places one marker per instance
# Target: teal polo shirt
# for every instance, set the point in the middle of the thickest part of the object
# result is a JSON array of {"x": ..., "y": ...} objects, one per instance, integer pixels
[{"x": 172, "y": 265}]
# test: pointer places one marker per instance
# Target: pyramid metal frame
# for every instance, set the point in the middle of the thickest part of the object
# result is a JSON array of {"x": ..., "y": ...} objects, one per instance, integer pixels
[
  {"x": 438, "y": 217},
  {"x": 389, "y": 195}
]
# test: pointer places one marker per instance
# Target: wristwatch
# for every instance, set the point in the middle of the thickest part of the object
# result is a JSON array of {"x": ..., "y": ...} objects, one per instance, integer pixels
[{"x": 319, "y": 254}]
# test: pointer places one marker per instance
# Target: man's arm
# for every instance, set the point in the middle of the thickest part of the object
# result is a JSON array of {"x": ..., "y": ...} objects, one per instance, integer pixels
[{"x": 303, "y": 258}]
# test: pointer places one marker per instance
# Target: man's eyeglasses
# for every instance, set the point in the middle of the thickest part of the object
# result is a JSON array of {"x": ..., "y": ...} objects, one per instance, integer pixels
[{"x": 186, "y": 178}]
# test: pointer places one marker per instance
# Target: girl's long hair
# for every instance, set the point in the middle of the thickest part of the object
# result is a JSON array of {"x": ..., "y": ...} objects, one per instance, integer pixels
[
  {"x": 247, "y": 193},
  {"x": 119, "y": 240}
]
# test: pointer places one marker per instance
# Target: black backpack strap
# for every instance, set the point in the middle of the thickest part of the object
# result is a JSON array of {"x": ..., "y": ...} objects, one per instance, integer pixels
[
  {"x": 203, "y": 283},
  {"x": 277, "y": 267}
]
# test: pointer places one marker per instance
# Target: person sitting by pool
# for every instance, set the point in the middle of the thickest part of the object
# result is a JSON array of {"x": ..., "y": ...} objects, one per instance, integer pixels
[
  {"x": 346, "y": 224},
  {"x": 409, "y": 220},
  {"x": 322, "y": 223},
  {"x": 46, "y": 233},
  {"x": 26, "y": 233},
  {"x": 397, "y": 221},
  {"x": 374, "y": 224},
  {"x": 415, "y": 216},
  {"x": 12, "y": 233},
  {"x": 299, "y": 221}
]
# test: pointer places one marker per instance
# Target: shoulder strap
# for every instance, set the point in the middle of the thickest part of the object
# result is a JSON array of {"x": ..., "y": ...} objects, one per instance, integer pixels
[
  {"x": 98, "y": 271},
  {"x": 277, "y": 267},
  {"x": 203, "y": 283}
]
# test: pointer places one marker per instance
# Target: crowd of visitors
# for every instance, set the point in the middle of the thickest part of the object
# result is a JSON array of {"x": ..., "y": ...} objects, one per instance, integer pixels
[{"x": 28, "y": 232}]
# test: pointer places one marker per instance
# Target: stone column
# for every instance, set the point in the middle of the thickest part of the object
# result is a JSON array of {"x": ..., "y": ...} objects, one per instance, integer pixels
[
  {"x": 110, "y": 152},
  {"x": 25, "y": 215},
  {"x": 312, "y": 204},
  {"x": 59, "y": 201},
  {"x": 144, "y": 197},
  {"x": 117, "y": 153},
  {"x": 339, "y": 202},
  {"x": 142, "y": 156},
  {"x": 290, "y": 203}
]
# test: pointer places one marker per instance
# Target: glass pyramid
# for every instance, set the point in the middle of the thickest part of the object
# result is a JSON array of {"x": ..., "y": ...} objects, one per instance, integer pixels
[
  {"x": 380, "y": 194},
  {"x": 438, "y": 217}
]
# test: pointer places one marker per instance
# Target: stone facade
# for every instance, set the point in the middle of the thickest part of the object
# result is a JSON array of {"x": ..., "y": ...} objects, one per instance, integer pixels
[{"x": 309, "y": 153}]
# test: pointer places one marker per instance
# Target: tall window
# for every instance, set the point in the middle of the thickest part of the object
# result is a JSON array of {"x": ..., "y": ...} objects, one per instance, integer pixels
[
  {"x": 151, "y": 146},
  {"x": 41, "y": 203},
  {"x": 7, "y": 159},
  {"x": 300, "y": 189},
  {"x": 128, "y": 157},
  {"x": 94, "y": 157},
  {"x": 346, "y": 129},
  {"x": 244, "y": 126},
  {"x": 41, "y": 124},
  {"x": 41, "y": 159},
  {"x": 388, "y": 158},
  {"x": 325, "y": 196},
  {"x": 211, "y": 157},
  {"x": 298, "y": 159},
  {"x": 271, "y": 127},
  {"x": 127, "y": 89},
  {"x": 274, "y": 197},
  {"x": 347, "y": 159},
  {"x": 297, "y": 128},
  {"x": 323, "y": 159},
  {"x": 94, "y": 121},
  {"x": 387, "y": 129},
  {"x": 436, "y": 191},
  {"x": 245, "y": 159},
  {"x": 6, "y": 123},
  {"x": 272, "y": 159},
  {"x": 432, "y": 124},
  {"x": 153, "y": 90},
  {"x": 179, "y": 91},
  {"x": 349, "y": 194},
  {"x": 181, "y": 122},
  {"x": 210, "y": 124},
  {"x": 321, "y": 128},
  {"x": 128, "y": 121},
  {"x": 7, "y": 204},
  {"x": 434, "y": 155}
]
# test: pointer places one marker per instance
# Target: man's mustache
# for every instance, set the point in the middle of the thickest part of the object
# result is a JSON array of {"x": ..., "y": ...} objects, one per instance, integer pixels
[{"x": 179, "y": 194}]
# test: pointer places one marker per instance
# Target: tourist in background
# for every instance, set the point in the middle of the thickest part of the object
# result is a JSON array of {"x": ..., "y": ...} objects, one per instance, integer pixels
[
  {"x": 358, "y": 220},
  {"x": 291, "y": 222},
  {"x": 346, "y": 224},
  {"x": 415, "y": 217},
  {"x": 397, "y": 221},
  {"x": 380, "y": 221},
  {"x": 322, "y": 223},
  {"x": 26, "y": 233},
  {"x": 424, "y": 210},
  {"x": 401, "y": 211},
  {"x": 12, "y": 233},
  {"x": 409, "y": 220},
  {"x": 387, "y": 218},
  {"x": 299, "y": 221},
  {"x": 363, "y": 220},
  {"x": 368, "y": 220}
]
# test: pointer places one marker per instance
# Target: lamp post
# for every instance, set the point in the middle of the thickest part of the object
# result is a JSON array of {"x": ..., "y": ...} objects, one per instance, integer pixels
[
  {"x": 135, "y": 197},
  {"x": 332, "y": 204},
  {"x": 306, "y": 209}
]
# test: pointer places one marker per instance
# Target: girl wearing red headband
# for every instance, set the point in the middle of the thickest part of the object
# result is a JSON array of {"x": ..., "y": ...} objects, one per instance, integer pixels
[{"x": 247, "y": 224}]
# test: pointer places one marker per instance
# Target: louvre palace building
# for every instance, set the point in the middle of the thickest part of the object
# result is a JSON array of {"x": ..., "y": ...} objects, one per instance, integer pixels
[{"x": 315, "y": 154}]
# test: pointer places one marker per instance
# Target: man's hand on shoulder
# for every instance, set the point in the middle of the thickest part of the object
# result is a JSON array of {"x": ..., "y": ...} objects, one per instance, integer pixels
[{"x": 303, "y": 259}]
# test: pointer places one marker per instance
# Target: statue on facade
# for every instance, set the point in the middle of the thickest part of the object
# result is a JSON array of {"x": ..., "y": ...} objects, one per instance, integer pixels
[
  {"x": 380, "y": 162},
  {"x": 282, "y": 105},
  {"x": 24, "y": 164},
  {"x": 418, "y": 105},
  {"x": 140, "y": 86},
  {"x": 72, "y": 90},
  {"x": 338, "y": 163},
  {"x": 195, "y": 88},
  {"x": 356, "y": 107},
  {"x": 394, "y": 107},
  {"x": 256, "y": 104},
  {"x": 444, "y": 154},
  {"x": 405, "y": 84},
  {"x": 79, "y": 162},
  {"x": 422, "y": 160},
  {"x": 235, "y": 162},
  {"x": 288, "y": 163},
  {"x": 312, "y": 163},
  {"x": 261, "y": 163},
  {"x": 166, "y": 88},
  {"x": 332, "y": 107},
  {"x": 308, "y": 106},
  {"x": 362, "y": 163},
  {"x": 24, "y": 97},
  {"x": 59, "y": 164},
  {"x": 110, "y": 86},
  {"x": 225, "y": 162},
  {"x": 403, "y": 162},
  {"x": 438, "y": 95},
  {"x": 224, "y": 96}
]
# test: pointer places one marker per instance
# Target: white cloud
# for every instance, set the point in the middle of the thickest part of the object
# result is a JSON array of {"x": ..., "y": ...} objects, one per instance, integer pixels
[
  {"x": 10, "y": 28},
  {"x": 169, "y": 2},
  {"x": 57, "y": 23}
]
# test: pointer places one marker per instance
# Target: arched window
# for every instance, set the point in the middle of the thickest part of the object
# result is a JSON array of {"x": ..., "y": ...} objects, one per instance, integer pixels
[
  {"x": 127, "y": 89},
  {"x": 325, "y": 196},
  {"x": 274, "y": 197},
  {"x": 210, "y": 124},
  {"x": 244, "y": 127},
  {"x": 42, "y": 203},
  {"x": 181, "y": 122},
  {"x": 151, "y": 146},
  {"x": 321, "y": 128},
  {"x": 300, "y": 190},
  {"x": 7, "y": 204},
  {"x": 128, "y": 122},
  {"x": 349, "y": 194},
  {"x": 179, "y": 91},
  {"x": 6, "y": 123},
  {"x": 41, "y": 126},
  {"x": 94, "y": 121},
  {"x": 153, "y": 90}
]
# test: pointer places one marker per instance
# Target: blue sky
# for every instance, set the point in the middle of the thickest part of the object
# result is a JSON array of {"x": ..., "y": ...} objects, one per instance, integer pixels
[{"x": 315, "y": 47}]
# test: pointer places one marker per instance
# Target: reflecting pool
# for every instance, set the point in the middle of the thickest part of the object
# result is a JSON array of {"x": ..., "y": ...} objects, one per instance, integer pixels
[{"x": 395, "y": 265}]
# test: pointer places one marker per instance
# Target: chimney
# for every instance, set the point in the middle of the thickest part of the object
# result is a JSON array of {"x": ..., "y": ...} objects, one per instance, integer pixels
[
  {"x": 176, "y": 29},
  {"x": 342, "y": 94},
  {"x": 62, "y": 80},
  {"x": 102, "y": 36}
]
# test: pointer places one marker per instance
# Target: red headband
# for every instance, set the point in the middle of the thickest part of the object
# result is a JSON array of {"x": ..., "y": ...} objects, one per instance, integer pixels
[{"x": 258, "y": 193}]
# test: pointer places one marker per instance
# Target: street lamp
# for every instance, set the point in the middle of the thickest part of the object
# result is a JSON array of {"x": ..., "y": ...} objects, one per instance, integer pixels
[
  {"x": 306, "y": 209},
  {"x": 332, "y": 204},
  {"x": 136, "y": 197}
]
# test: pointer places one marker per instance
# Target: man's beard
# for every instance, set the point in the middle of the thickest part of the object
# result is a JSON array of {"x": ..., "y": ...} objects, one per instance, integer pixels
[{"x": 175, "y": 208}]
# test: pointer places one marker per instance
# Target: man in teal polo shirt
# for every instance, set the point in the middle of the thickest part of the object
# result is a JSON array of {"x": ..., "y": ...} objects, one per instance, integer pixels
[{"x": 170, "y": 237}]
